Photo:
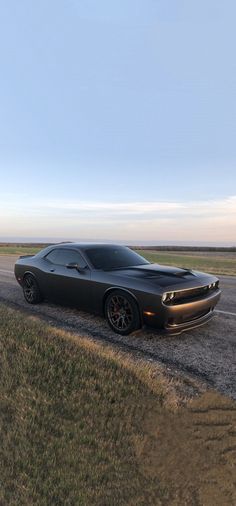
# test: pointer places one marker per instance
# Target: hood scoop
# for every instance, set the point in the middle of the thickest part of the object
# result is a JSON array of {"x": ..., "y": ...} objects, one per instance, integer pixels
[
  {"x": 180, "y": 273},
  {"x": 152, "y": 271}
]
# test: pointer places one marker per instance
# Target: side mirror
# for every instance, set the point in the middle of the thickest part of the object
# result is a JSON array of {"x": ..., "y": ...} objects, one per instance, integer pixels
[{"x": 74, "y": 265}]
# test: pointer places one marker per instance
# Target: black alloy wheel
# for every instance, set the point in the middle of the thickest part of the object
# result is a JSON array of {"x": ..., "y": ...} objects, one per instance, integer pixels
[
  {"x": 122, "y": 313},
  {"x": 31, "y": 290}
]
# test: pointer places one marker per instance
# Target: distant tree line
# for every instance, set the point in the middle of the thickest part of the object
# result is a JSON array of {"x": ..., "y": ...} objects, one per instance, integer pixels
[
  {"x": 230, "y": 249},
  {"x": 24, "y": 245},
  {"x": 29, "y": 244}
]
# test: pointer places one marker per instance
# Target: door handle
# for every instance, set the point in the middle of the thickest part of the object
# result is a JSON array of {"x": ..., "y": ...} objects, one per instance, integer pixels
[{"x": 52, "y": 270}]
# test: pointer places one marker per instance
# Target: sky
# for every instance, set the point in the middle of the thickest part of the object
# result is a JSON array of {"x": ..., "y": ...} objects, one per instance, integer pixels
[{"x": 118, "y": 121}]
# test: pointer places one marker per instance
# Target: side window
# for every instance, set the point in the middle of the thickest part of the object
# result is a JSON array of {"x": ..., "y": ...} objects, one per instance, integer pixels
[
  {"x": 66, "y": 256},
  {"x": 52, "y": 256}
]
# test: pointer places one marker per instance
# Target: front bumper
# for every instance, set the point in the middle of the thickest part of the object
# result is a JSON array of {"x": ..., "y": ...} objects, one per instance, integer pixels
[{"x": 178, "y": 318}]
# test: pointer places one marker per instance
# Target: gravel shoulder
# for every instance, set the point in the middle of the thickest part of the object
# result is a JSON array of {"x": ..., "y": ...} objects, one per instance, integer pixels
[{"x": 207, "y": 354}]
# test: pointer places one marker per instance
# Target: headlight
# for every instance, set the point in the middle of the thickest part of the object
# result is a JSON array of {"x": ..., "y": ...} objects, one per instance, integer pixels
[
  {"x": 167, "y": 297},
  {"x": 213, "y": 285}
]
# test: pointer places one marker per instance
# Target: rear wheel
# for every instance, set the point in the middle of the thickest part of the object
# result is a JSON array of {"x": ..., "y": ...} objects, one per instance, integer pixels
[
  {"x": 122, "y": 313},
  {"x": 31, "y": 290}
]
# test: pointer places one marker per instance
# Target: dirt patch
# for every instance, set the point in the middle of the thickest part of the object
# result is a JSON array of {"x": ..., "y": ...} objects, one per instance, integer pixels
[{"x": 193, "y": 451}]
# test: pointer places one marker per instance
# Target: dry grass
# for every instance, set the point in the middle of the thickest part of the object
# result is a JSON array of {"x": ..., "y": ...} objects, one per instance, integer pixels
[{"x": 84, "y": 425}]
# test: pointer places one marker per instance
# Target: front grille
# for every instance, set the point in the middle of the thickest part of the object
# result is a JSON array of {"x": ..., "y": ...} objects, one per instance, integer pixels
[{"x": 184, "y": 296}]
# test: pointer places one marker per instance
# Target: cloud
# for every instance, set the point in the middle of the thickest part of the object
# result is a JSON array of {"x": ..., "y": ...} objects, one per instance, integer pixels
[
  {"x": 213, "y": 220},
  {"x": 138, "y": 207}
]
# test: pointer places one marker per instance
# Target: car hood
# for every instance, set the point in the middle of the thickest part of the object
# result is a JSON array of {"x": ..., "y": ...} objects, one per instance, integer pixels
[{"x": 164, "y": 275}]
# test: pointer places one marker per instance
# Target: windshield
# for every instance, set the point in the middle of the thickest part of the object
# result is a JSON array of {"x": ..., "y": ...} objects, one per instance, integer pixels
[{"x": 114, "y": 257}]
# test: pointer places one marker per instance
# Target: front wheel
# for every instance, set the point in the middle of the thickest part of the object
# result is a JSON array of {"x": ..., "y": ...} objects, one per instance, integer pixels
[
  {"x": 122, "y": 313},
  {"x": 31, "y": 290}
]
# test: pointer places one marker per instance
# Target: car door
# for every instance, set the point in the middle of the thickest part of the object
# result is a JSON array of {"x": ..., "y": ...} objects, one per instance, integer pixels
[{"x": 66, "y": 283}]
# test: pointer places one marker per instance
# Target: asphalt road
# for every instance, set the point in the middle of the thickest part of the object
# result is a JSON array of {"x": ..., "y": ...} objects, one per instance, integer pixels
[{"x": 207, "y": 353}]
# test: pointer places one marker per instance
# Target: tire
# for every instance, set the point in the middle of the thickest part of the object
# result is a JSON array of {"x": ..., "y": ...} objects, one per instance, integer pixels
[
  {"x": 31, "y": 290},
  {"x": 122, "y": 313}
]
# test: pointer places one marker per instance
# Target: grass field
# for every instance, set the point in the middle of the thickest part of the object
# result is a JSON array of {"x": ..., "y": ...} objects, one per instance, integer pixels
[
  {"x": 18, "y": 250},
  {"x": 84, "y": 425},
  {"x": 213, "y": 262}
]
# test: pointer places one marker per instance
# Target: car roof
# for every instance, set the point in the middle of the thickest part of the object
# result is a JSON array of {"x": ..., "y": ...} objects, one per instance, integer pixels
[
  {"x": 84, "y": 245},
  {"x": 75, "y": 245},
  {"x": 80, "y": 246}
]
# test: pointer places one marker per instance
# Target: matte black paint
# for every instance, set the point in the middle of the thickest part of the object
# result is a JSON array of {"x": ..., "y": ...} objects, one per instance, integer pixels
[{"x": 87, "y": 288}]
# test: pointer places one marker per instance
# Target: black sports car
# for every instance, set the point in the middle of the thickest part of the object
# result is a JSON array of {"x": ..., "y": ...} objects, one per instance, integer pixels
[{"x": 120, "y": 284}]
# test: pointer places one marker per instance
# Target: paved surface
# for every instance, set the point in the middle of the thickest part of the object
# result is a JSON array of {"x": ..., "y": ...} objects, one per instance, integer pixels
[{"x": 207, "y": 353}]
